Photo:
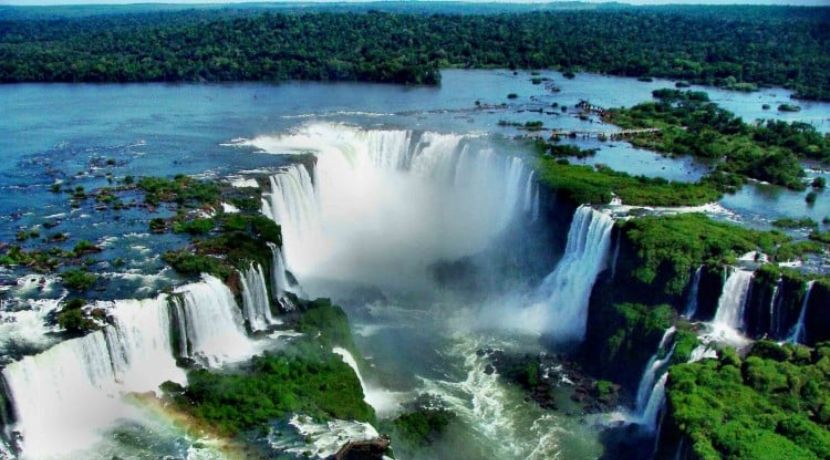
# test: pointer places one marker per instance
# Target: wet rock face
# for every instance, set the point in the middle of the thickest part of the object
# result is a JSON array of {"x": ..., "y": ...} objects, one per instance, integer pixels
[
  {"x": 370, "y": 449},
  {"x": 551, "y": 380},
  {"x": 817, "y": 317}
]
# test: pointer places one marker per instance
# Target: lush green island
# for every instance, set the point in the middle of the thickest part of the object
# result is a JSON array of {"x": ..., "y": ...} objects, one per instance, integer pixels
[
  {"x": 687, "y": 123},
  {"x": 725, "y": 46}
]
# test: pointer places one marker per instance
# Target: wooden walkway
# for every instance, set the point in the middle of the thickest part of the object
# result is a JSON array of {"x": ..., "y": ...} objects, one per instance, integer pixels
[{"x": 602, "y": 133}]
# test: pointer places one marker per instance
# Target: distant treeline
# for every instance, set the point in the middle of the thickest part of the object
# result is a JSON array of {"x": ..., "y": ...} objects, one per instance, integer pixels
[{"x": 727, "y": 46}]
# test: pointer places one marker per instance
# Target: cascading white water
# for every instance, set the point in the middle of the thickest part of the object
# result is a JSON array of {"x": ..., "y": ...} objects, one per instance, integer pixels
[
  {"x": 66, "y": 396},
  {"x": 63, "y": 396},
  {"x": 255, "y": 298},
  {"x": 383, "y": 206},
  {"x": 531, "y": 198},
  {"x": 651, "y": 391},
  {"x": 183, "y": 349},
  {"x": 384, "y": 402},
  {"x": 797, "y": 335},
  {"x": 702, "y": 351},
  {"x": 349, "y": 359},
  {"x": 317, "y": 440},
  {"x": 26, "y": 328},
  {"x": 651, "y": 411},
  {"x": 655, "y": 365},
  {"x": 141, "y": 345},
  {"x": 279, "y": 280},
  {"x": 293, "y": 203},
  {"x": 730, "y": 312},
  {"x": 774, "y": 303},
  {"x": 214, "y": 323},
  {"x": 691, "y": 302},
  {"x": 563, "y": 310}
]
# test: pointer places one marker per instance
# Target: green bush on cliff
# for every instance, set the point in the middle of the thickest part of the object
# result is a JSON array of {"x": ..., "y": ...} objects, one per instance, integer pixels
[
  {"x": 585, "y": 184},
  {"x": 183, "y": 190},
  {"x": 306, "y": 378},
  {"x": 194, "y": 226},
  {"x": 242, "y": 239},
  {"x": 672, "y": 246},
  {"x": 71, "y": 317},
  {"x": 685, "y": 341},
  {"x": 77, "y": 279},
  {"x": 328, "y": 322},
  {"x": 416, "y": 429},
  {"x": 186, "y": 262},
  {"x": 796, "y": 249},
  {"x": 774, "y": 404},
  {"x": 633, "y": 325}
]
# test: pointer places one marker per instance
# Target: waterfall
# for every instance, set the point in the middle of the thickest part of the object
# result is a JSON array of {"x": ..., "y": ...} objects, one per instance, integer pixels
[
  {"x": 349, "y": 359},
  {"x": 293, "y": 204},
  {"x": 178, "y": 314},
  {"x": 536, "y": 204},
  {"x": 382, "y": 207},
  {"x": 651, "y": 390},
  {"x": 655, "y": 404},
  {"x": 616, "y": 256},
  {"x": 65, "y": 397},
  {"x": 798, "y": 332},
  {"x": 255, "y": 301},
  {"x": 733, "y": 299},
  {"x": 213, "y": 323},
  {"x": 654, "y": 365},
  {"x": 678, "y": 454},
  {"x": 691, "y": 302},
  {"x": 531, "y": 198},
  {"x": 279, "y": 279},
  {"x": 702, "y": 352},
  {"x": 511, "y": 200},
  {"x": 774, "y": 303},
  {"x": 567, "y": 290},
  {"x": 383, "y": 401},
  {"x": 141, "y": 344}
]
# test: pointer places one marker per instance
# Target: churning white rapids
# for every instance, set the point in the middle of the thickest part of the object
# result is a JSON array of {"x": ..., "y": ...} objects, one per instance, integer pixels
[
  {"x": 381, "y": 206},
  {"x": 375, "y": 212}
]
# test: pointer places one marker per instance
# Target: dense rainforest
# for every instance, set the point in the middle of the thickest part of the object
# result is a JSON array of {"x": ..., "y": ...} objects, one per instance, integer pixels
[{"x": 735, "y": 47}]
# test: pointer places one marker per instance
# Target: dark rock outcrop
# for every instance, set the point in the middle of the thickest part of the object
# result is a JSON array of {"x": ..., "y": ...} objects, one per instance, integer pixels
[{"x": 370, "y": 449}]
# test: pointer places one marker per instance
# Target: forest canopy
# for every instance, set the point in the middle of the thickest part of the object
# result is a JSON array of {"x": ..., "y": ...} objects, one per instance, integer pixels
[{"x": 733, "y": 47}]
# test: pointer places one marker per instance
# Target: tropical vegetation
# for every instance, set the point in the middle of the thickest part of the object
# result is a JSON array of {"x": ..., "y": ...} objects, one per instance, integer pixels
[{"x": 727, "y": 46}]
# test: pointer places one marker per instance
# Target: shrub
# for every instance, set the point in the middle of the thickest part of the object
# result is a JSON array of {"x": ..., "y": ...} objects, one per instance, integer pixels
[
  {"x": 186, "y": 262},
  {"x": 158, "y": 225},
  {"x": 79, "y": 280},
  {"x": 788, "y": 222},
  {"x": 767, "y": 406},
  {"x": 194, "y": 227},
  {"x": 71, "y": 317}
]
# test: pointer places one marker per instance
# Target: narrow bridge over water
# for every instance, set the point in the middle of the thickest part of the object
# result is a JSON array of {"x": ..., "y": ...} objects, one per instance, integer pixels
[{"x": 602, "y": 134}]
